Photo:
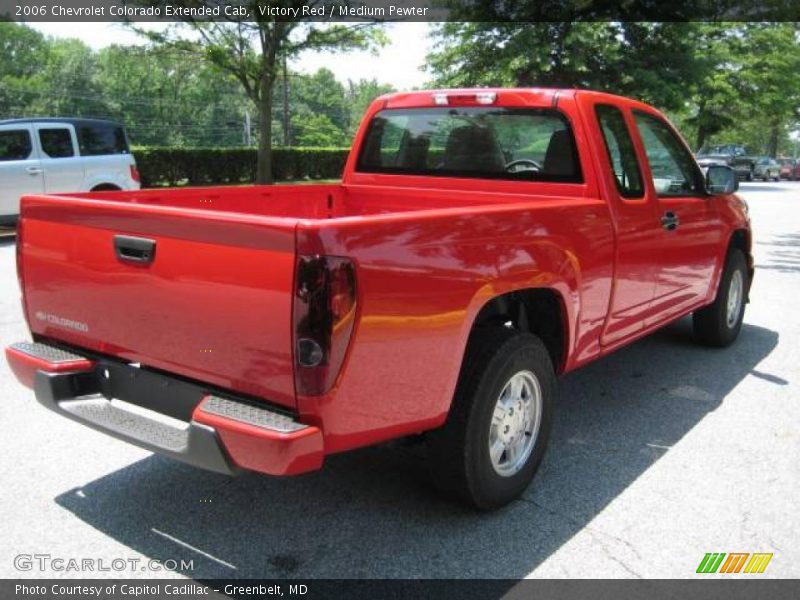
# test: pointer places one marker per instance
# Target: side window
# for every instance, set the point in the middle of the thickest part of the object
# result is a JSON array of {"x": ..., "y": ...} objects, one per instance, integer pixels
[
  {"x": 56, "y": 142},
  {"x": 673, "y": 169},
  {"x": 102, "y": 139},
  {"x": 15, "y": 144},
  {"x": 621, "y": 152}
]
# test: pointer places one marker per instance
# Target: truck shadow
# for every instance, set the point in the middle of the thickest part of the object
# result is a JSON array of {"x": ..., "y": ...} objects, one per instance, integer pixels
[{"x": 374, "y": 513}]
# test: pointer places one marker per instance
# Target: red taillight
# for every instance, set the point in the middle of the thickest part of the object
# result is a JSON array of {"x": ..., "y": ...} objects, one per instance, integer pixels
[
  {"x": 324, "y": 315},
  {"x": 135, "y": 174}
]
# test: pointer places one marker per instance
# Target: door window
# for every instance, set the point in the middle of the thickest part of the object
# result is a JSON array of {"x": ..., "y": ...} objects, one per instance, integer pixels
[
  {"x": 673, "y": 169},
  {"x": 15, "y": 144},
  {"x": 621, "y": 153},
  {"x": 56, "y": 142}
]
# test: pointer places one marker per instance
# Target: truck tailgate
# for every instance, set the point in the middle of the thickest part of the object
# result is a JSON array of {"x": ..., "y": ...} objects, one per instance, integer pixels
[{"x": 214, "y": 304}]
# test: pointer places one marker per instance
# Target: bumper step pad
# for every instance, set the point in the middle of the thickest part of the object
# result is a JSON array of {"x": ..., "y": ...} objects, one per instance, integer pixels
[
  {"x": 49, "y": 354},
  {"x": 113, "y": 418},
  {"x": 250, "y": 414}
]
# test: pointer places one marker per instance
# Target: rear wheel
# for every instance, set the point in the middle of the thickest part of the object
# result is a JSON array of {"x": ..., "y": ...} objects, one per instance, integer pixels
[
  {"x": 719, "y": 323},
  {"x": 498, "y": 427}
]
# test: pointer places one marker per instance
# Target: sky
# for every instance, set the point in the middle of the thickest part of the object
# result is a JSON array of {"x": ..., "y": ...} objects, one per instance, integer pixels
[{"x": 398, "y": 63}]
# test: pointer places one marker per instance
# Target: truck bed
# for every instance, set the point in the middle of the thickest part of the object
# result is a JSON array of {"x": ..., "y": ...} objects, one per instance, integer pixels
[
  {"x": 314, "y": 201},
  {"x": 215, "y": 304}
]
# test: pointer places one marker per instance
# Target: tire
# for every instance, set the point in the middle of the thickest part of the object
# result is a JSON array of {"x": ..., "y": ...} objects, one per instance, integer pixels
[
  {"x": 459, "y": 451},
  {"x": 716, "y": 325},
  {"x": 750, "y": 175}
]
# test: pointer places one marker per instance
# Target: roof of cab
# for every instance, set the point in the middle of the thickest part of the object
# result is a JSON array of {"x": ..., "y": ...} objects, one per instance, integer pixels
[{"x": 522, "y": 96}]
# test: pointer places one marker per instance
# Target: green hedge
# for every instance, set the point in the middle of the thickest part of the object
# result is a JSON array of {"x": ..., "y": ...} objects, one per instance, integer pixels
[{"x": 212, "y": 166}]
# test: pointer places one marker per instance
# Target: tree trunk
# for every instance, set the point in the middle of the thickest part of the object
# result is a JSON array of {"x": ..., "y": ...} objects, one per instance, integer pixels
[
  {"x": 264, "y": 161},
  {"x": 701, "y": 137},
  {"x": 701, "y": 126},
  {"x": 773, "y": 140}
]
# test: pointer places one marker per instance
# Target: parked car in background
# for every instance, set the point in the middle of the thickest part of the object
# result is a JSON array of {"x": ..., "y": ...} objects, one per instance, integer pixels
[
  {"x": 61, "y": 155},
  {"x": 767, "y": 168},
  {"x": 790, "y": 168},
  {"x": 481, "y": 243},
  {"x": 735, "y": 156}
]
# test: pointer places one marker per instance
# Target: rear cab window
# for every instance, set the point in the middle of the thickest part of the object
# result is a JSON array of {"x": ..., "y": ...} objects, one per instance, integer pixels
[
  {"x": 520, "y": 144},
  {"x": 101, "y": 139},
  {"x": 15, "y": 144}
]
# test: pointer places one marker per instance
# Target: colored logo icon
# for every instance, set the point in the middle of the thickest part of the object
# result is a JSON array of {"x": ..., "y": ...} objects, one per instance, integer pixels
[{"x": 734, "y": 562}]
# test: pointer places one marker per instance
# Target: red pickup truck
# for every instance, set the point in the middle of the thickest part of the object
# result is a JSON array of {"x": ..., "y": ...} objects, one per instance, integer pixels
[{"x": 481, "y": 243}]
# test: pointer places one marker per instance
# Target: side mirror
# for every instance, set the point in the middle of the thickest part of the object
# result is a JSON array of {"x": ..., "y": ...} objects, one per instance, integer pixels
[{"x": 721, "y": 180}]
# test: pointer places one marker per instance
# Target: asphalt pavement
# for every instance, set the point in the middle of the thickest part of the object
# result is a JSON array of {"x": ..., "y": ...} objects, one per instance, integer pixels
[{"x": 661, "y": 453}]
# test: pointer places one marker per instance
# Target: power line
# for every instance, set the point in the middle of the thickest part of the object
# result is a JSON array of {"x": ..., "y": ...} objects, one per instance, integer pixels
[{"x": 133, "y": 100}]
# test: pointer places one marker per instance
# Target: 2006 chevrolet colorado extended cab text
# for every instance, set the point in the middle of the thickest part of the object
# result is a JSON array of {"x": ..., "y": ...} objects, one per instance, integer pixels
[{"x": 481, "y": 243}]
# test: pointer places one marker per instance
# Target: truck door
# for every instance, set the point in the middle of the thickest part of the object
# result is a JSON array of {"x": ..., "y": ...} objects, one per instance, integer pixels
[
  {"x": 690, "y": 234},
  {"x": 63, "y": 169},
  {"x": 20, "y": 171},
  {"x": 637, "y": 228}
]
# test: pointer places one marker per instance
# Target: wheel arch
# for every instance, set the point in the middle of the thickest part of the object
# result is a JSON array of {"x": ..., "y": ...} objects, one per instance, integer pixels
[
  {"x": 106, "y": 187},
  {"x": 538, "y": 310},
  {"x": 741, "y": 239}
]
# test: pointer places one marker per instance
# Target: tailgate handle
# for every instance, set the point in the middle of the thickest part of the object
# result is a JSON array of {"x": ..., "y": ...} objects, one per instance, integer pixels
[{"x": 134, "y": 249}]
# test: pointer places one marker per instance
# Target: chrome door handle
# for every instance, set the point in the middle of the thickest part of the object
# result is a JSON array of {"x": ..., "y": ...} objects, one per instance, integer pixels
[
  {"x": 670, "y": 221},
  {"x": 34, "y": 170}
]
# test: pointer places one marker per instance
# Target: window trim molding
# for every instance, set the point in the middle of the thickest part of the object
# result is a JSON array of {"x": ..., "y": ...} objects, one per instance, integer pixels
[{"x": 641, "y": 195}]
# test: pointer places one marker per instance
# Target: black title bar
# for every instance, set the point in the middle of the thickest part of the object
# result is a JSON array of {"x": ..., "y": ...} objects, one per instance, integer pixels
[{"x": 518, "y": 11}]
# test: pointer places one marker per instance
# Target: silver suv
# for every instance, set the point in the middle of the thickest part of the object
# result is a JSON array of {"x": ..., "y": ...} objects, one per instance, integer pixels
[{"x": 61, "y": 155}]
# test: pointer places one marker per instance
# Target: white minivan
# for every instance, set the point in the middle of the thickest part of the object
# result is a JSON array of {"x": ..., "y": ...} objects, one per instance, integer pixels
[{"x": 61, "y": 155}]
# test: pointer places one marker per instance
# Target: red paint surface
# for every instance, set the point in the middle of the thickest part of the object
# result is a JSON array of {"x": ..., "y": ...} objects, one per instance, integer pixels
[
  {"x": 24, "y": 366},
  {"x": 265, "y": 451},
  {"x": 429, "y": 253}
]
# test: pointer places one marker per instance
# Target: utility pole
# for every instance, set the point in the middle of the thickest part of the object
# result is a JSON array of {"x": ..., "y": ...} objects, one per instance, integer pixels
[
  {"x": 286, "y": 140},
  {"x": 246, "y": 139}
]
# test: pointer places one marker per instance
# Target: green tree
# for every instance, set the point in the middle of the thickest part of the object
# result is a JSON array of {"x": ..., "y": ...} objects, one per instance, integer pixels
[
  {"x": 748, "y": 90},
  {"x": 716, "y": 93},
  {"x": 321, "y": 94},
  {"x": 252, "y": 51},
  {"x": 317, "y": 130},
  {"x": 770, "y": 64},
  {"x": 166, "y": 100},
  {"x": 22, "y": 51},
  {"x": 70, "y": 71},
  {"x": 359, "y": 96},
  {"x": 650, "y": 61}
]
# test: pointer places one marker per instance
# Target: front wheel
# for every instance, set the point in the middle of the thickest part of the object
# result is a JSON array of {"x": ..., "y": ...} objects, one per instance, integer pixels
[
  {"x": 496, "y": 434},
  {"x": 719, "y": 323}
]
